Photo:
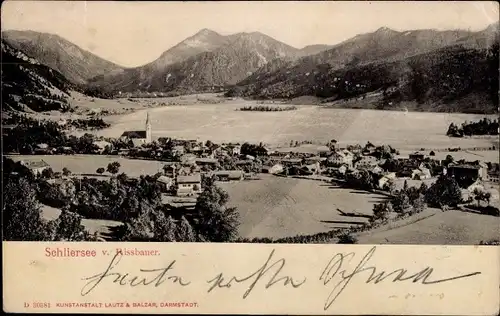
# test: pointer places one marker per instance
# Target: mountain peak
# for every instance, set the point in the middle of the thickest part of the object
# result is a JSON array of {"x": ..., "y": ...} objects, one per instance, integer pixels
[
  {"x": 384, "y": 29},
  {"x": 206, "y": 32},
  {"x": 494, "y": 27}
]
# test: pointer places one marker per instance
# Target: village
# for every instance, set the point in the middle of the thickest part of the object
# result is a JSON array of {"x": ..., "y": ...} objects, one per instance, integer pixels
[
  {"x": 181, "y": 166},
  {"x": 192, "y": 160}
]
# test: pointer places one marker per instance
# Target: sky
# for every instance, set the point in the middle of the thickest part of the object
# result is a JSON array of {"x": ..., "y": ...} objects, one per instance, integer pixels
[{"x": 135, "y": 33}]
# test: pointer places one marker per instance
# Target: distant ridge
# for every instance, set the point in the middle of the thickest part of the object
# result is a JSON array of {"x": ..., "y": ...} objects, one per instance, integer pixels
[
  {"x": 200, "y": 62},
  {"x": 437, "y": 70},
  {"x": 75, "y": 63},
  {"x": 434, "y": 69}
]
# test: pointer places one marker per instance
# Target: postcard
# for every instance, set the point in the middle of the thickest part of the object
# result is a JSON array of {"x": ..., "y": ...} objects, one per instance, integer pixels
[{"x": 258, "y": 157}]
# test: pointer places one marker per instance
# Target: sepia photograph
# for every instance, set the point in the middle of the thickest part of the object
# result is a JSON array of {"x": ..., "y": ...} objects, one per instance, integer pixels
[{"x": 326, "y": 122}]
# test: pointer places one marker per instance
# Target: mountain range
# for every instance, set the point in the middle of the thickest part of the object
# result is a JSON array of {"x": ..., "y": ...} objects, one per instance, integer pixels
[
  {"x": 256, "y": 65},
  {"x": 427, "y": 66},
  {"x": 203, "y": 60}
]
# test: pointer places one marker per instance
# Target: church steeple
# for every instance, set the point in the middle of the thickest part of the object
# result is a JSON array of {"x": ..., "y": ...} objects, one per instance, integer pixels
[{"x": 148, "y": 128}]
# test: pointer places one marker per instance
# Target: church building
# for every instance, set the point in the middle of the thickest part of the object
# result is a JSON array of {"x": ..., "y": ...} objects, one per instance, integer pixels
[{"x": 139, "y": 137}]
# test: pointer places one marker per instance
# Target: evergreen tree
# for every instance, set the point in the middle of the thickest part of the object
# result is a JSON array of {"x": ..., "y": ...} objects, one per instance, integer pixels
[
  {"x": 69, "y": 228},
  {"x": 164, "y": 228},
  {"x": 402, "y": 203},
  {"x": 419, "y": 204},
  {"x": 113, "y": 167},
  {"x": 423, "y": 188},
  {"x": 347, "y": 238},
  {"x": 22, "y": 218},
  {"x": 185, "y": 232},
  {"x": 380, "y": 212},
  {"x": 445, "y": 191},
  {"x": 216, "y": 222},
  {"x": 138, "y": 229}
]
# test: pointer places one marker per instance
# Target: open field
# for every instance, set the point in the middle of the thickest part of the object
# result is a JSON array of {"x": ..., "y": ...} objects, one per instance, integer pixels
[
  {"x": 447, "y": 228},
  {"x": 102, "y": 227},
  {"x": 117, "y": 108},
  {"x": 88, "y": 164},
  {"x": 222, "y": 123},
  {"x": 281, "y": 207},
  {"x": 468, "y": 155}
]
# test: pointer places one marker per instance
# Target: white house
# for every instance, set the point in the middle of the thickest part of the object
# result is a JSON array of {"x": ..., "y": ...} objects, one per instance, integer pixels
[
  {"x": 338, "y": 158},
  {"x": 273, "y": 169},
  {"x": 36, "y": 166},
  {"x": 188, "y": 185},
  {"x": 366, "y": 162},
  {"x": 421, "y": 174},
  {"x": 102, "y": 144},
  {"x": 377, "y": 170},
  {"x": 188, "y": 159},
  {"x": 385, "y": 179}
]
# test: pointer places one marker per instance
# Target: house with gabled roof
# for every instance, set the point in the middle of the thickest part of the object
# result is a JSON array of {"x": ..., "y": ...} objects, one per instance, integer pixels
[
  {"x": 188, "y": 185},
  {"x": 165, "y": 183},
  {"x": 35, "y": 166}
]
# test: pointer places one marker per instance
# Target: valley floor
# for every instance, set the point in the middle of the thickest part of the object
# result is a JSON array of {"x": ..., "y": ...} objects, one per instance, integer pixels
[
  {"x": 209, "y": 117},
  {"x": 277, "y": 207},
  {"x": 434, "y": 227}
]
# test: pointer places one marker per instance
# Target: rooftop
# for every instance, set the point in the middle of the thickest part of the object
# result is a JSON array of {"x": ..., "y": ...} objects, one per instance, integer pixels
[
  {"x": 243, "y": 162},
  {"x": 102, "y": 143},
  {"x": 195, "y": 178},
  {"x": 229, "y": 173},
  {"x": 292, "y": 160},
  {"x": 33, "y": 164},
  {"x": 134, "y": 134},
  {"x": 164, "y": 179},
  {"x": 138, "y": 142},
  {"x": 462, "y": 166}
]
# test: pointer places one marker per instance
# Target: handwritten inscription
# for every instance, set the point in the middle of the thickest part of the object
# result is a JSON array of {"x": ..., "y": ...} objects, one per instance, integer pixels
[
  {"x": 154, "y": 277},
  {"x": 337, "y": 275},
  {"x": 267, "y": 269},
  {"x": 333, "y": 272}
]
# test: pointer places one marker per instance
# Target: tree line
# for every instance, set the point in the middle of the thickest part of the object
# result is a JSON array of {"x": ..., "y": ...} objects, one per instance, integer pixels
[
  {"x": 484, "y": 126},
  {"x": 136, "y": 202},
  {"x": 266, "y": 108}
]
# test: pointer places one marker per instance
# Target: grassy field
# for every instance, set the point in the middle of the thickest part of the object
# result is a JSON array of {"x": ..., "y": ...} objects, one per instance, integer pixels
[
  {"x": 448, "y": 228},
  {"x": 99, "y": 226},
  {"x": 281, "y": 207},
  {"x": 483, "y": 155},
  {"x": 88, "y": 164}
]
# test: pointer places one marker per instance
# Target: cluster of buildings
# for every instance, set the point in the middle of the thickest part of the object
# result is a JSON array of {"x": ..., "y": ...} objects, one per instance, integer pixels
[{"x": 192, "y": 160}]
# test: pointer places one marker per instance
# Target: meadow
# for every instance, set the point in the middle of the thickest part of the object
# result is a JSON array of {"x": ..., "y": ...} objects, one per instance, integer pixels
[
  {"x": 281, "y": 207},
  {"x": 102, "y": 227},
  {"x": 436, "y": 227},
  {"x": 88, "y": 164},
  {"x": 467, "y": 155}
]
